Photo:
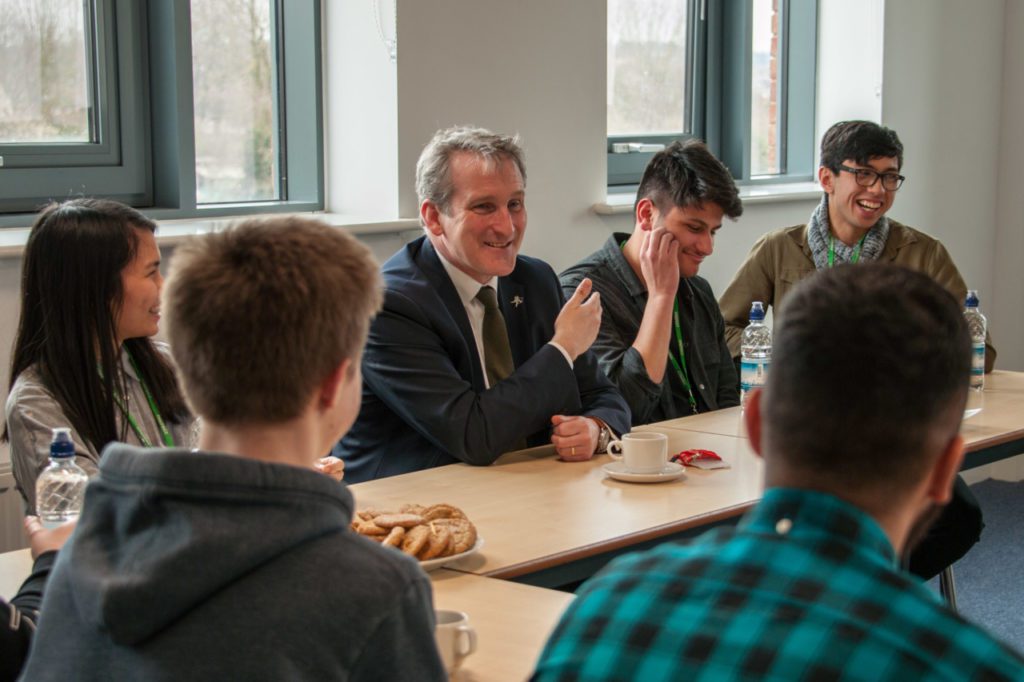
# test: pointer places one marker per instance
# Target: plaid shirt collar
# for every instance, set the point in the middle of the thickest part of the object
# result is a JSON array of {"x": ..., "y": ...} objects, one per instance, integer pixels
[{"x": 801, "y": 513}]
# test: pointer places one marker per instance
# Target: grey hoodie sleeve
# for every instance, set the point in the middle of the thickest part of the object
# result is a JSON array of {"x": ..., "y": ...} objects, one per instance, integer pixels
[{"x": 403, "y": 647}]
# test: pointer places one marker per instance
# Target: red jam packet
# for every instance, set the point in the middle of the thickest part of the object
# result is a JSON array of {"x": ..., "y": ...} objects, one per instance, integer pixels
[{"x": 702, "y": 459}]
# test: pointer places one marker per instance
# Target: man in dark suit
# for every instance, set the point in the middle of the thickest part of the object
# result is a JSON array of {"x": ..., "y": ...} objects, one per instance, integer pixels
[{"x": 446, "y": 378}]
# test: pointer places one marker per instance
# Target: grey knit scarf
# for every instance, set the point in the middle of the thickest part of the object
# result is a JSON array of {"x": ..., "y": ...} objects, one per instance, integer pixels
[{"x": 819, "y": 230}]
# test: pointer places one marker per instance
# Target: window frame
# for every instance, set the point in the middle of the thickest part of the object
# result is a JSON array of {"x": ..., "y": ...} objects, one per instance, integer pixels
[
  {"x": 718, "y": 103},
  {"x": 154, "y": 65},
  {"x": 113, "y": 164}
]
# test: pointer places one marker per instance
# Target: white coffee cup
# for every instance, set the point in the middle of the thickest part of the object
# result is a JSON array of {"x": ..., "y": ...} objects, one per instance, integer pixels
[
  {"x": 641, "y": 452},
  {"x": 455, "y": 637}
]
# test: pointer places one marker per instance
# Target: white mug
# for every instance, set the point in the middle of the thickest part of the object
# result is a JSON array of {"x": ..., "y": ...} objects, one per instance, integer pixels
[
  {"x": 641, "y": 452},
  {"x": 455, "y": 637}
]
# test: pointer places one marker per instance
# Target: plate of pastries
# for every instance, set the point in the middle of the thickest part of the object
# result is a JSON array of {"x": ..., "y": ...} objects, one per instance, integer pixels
[{"x": 435, "y": 535}]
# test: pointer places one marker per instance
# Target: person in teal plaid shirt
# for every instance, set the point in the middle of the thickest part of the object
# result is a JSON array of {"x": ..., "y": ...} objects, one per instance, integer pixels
[{"x": 859, "y": 429}]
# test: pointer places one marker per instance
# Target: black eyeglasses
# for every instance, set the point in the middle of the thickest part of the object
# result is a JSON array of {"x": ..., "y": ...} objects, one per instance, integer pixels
[{"x": 866, "y": 177}]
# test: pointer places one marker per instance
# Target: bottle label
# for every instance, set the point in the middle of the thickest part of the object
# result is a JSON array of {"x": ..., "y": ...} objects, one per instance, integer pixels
[
  {"x": 753, "y": 373},
  {"x": 977, "y": 365}
]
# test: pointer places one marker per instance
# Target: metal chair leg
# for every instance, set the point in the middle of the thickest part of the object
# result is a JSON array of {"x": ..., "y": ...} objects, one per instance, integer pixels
[{"x": 947, "y": 587}]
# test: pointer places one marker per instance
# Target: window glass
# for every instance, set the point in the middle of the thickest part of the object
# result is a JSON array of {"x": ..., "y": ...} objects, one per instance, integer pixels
[
  {"x": 765, "y": 89},
  {"x": 44, "y": 67},
  {"x": 646, "y": 66},
  {"x": 235, "y": 91}
]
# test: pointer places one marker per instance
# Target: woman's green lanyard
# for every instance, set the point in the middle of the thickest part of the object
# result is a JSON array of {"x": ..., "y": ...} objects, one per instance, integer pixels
[
  {"x": 165, "y": 434},
  {"x": 678, "y": 365},
  {"x": 832, "y": 249}
]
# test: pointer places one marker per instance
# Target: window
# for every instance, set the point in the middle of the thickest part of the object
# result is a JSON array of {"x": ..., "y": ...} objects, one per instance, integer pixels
[
  {"x": 71, "y": 111},
  {"x": 183, "y": 108},
  {"x": 737, "y": 73}
]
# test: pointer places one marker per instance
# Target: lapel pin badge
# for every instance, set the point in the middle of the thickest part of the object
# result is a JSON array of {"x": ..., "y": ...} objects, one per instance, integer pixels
[{"x": 517, "y": 301}]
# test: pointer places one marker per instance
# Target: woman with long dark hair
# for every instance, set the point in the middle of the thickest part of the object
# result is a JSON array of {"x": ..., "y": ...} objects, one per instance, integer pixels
[{"x": 83, "y": 357}]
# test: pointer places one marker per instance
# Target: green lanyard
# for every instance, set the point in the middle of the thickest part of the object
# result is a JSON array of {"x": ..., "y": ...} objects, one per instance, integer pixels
[
  {"x": 832, "y": 249},
  {"x": 680, "y": 366},
  {"x": 165, "y": 434}
]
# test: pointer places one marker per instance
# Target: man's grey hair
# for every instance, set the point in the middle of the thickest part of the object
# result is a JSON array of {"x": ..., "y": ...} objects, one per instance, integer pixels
[{"x": 433, "y": 170}]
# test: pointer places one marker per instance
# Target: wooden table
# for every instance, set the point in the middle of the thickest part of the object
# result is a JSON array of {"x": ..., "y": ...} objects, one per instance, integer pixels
[
  {"x": 994, "y": 434},
  {"x": 512, "y": 622},
  {"x": 14, "y": 568},
  {"x": 549, "y": 522},
  {"x": 997, "y": 432}
]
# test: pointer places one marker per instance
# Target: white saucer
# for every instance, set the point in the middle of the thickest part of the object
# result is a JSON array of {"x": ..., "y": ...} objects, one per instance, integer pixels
[{"x": 670, "y": 472}]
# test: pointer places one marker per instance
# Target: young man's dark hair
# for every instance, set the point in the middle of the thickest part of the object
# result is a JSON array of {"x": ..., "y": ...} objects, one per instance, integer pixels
[
  {"x": 686, "y": 173},
  {"x": 807, "y": 586},
  {"x": 870, "y": 425},
  {"x": 860, "y": 141}
]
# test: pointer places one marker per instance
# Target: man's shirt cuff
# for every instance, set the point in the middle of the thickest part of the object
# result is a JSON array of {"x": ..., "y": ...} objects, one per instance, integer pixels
[{"x": 563, "y": 352}]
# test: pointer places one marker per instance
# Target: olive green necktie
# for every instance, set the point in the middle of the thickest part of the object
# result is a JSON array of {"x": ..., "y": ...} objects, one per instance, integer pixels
[{"x": 497, "y": 352}]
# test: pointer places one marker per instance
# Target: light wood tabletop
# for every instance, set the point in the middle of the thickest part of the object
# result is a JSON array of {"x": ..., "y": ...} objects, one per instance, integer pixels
[
  {"x": 1000, "y": 422},
  {"x": 512, "y": 622},
  {"x": 535, "y": 511},
  {"x": 14, "y": 568}
]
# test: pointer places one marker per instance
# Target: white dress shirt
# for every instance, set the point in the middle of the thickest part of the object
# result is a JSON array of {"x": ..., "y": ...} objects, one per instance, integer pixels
[{"x": 468, "y": 288}]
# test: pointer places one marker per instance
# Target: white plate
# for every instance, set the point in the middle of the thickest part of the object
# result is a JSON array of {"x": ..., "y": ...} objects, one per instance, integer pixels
[
  {"x": 431, "y": 564},
  {"x": 670, "y": 472}
]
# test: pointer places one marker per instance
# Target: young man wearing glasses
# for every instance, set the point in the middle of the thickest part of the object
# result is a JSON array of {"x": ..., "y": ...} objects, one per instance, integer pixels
[{"x": 860, "y": 173}]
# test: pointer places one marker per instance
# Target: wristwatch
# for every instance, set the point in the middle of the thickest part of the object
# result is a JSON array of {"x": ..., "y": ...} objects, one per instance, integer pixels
[{"x": 604, "y": 437}]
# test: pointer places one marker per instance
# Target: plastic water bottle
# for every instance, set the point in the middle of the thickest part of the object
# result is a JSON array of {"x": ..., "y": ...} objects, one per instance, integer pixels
[
  {"x": 976, "y": 325},
  {"x": 60, "y": 488},
  {"x": 755, "y": 352}
]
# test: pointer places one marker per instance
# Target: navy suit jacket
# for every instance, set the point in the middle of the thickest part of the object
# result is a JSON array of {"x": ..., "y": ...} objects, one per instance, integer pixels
[{"x": 424, "y": 401}]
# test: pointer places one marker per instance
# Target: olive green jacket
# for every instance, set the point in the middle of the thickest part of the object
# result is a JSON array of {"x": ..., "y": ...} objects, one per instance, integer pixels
[{"x": 782, "y": 258}]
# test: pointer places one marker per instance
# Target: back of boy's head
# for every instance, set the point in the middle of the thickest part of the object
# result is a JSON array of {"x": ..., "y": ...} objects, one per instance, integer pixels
[
  {"x": 261, "y": 313},
  {"x": 870, "y": 365}
]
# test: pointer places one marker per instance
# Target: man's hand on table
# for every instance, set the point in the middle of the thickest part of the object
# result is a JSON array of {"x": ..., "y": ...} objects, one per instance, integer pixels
[{"x": 575, "y": 438}]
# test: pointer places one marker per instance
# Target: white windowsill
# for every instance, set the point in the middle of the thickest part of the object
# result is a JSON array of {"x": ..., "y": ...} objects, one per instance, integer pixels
[
  {"x": 622, "y": 203},
  {"x": 171, "y": 232}
]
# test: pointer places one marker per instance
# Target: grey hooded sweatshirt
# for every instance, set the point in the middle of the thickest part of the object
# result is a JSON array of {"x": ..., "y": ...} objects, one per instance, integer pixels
[{"x": 197, "y": 566}]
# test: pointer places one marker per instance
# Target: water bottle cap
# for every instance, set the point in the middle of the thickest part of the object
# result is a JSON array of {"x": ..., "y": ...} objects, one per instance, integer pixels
[
  {"x": 756, "y": 311},
  {"x": 61, "y": 445},
  {"x": 972, "y": 299}
]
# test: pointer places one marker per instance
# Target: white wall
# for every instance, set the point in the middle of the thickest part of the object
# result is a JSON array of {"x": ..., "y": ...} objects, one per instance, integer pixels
[
  {"x": 1006, "y": 309},
  {"x": 849, "y": 83},
  {"x": 942, "y": 93},
  {"x": 533, "y": 67},
  {"x": 362, "y": 149}
]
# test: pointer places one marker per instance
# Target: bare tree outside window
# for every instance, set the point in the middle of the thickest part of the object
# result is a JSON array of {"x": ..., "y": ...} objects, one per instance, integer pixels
[
  {"x": 44, "y": 87},
  {"x": 237, "y": 146},
  {"x": 646, "y": 66}
]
